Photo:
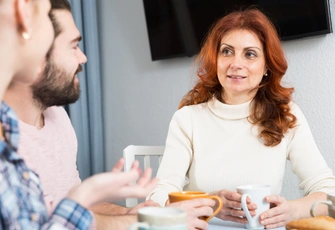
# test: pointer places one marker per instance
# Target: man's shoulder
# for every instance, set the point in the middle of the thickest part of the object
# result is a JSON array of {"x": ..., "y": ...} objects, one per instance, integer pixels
[
  {"x": 55, "y": 109},
  {"x": 55, "y": 112}
]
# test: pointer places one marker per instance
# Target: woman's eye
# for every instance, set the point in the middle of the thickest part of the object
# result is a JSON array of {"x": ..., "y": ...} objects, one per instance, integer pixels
[
  {"x": 226, "y": 52},
  {"x": 251, "y": 54}
]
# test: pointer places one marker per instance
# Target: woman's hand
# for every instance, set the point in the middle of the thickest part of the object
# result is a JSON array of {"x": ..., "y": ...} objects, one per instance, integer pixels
[
  {"x": 196, "y": 208},
  {"x": 232, "y": 207},
  {"x": 279, "y": 213}
]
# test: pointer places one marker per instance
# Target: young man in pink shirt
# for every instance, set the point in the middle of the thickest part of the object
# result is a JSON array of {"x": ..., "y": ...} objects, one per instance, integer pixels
[{"x": 48, "y": 142}]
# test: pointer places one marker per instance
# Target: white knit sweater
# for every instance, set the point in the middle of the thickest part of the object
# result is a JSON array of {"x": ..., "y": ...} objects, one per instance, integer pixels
[{"x": 215, "y": 146}]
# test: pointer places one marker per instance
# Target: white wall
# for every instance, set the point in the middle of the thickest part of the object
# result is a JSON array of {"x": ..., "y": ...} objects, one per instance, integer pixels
[{"x": 140, "y": 96}]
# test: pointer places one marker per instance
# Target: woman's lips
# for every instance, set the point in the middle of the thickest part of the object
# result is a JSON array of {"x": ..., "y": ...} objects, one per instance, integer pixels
[{"x": 236, "y": 77}]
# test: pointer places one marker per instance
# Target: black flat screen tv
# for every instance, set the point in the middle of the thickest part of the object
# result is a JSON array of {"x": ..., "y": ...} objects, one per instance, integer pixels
[{"x": 177, "y": 28}]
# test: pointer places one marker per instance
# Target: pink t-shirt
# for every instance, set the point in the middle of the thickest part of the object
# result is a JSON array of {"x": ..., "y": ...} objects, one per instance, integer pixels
[{"x": 51, "y": 152}]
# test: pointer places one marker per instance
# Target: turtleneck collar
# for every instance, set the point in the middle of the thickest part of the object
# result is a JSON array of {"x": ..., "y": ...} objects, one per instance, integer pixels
[{"x": 230, "y": 112}]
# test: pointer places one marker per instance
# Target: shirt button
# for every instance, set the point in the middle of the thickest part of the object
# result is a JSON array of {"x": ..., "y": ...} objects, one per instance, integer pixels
[
  {"x": 33, "y": 217},
  {"x": 25, "y": 175}
]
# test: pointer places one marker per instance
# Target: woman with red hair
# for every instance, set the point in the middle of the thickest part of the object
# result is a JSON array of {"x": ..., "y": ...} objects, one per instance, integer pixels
[{"x": 238, "y": 126}]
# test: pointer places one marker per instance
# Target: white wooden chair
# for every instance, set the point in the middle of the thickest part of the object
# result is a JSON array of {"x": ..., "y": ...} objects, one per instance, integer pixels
[{"x": 148, "y": 153}]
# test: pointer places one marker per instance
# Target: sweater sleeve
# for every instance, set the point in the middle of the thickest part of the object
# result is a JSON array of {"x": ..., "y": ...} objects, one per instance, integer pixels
[
  {"x": 306, "y": 160},
  {"x": 176, "y": 159}
]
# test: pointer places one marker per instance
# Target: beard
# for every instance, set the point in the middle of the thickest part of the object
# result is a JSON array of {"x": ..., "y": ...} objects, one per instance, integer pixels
[{"x": 56, "y": 87}]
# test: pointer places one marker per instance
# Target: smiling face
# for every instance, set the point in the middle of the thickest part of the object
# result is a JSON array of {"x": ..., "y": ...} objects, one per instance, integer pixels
[
  {"x": 59, "y": 84},
  {"x": 240, "y": 66}
]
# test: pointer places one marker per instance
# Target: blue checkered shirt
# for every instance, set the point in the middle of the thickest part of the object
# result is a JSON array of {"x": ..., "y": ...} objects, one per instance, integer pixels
[{"x": 21, "y": 196}]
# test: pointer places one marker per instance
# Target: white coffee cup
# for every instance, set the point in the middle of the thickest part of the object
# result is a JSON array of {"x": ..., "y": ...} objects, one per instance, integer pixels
[
  {"x": 160, "y": 218},
  {"x": 256, "y": 193}
]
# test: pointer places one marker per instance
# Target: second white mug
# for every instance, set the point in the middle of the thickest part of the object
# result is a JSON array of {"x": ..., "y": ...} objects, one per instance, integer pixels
[
  {"x": 160, "y": 218},
  {"x": 256, "y": 193}
]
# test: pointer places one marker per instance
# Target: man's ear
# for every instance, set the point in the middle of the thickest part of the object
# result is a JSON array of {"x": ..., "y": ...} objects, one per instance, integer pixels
[{"x": 24, "y": 12}]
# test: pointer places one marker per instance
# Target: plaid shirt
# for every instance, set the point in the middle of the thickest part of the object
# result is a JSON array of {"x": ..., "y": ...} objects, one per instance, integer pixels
[{"x": 21, "y": 196}]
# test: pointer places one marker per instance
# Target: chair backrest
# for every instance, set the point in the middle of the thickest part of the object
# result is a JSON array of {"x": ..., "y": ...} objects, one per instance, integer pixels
[{"x": 148, "y": 153}]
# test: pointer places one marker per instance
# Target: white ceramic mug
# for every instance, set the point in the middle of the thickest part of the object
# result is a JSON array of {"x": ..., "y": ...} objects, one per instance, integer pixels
[
  {"x": 160, "y": 218},
  {"x": 256, "y": 193},
  {"x": 330, "y": 202}
]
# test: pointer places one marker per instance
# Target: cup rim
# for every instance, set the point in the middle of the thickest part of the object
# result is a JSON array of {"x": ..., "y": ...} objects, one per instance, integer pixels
[{"x": 187, "y": 193}]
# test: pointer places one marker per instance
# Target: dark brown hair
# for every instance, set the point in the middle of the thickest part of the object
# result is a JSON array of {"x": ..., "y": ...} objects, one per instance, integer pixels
[
  {"x": 58, "y": 5},
  {"x": 270, "y": 110}
]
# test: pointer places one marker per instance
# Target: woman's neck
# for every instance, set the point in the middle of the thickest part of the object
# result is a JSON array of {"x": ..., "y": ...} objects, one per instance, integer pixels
[
  {"x": 236, "y": 99},
  {"x": 5, "y": 79}
]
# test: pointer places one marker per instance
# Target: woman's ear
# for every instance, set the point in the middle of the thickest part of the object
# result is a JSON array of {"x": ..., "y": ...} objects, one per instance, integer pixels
[
  {"x": 24, "y": 14},
  {"x": 265, "y": 71}
]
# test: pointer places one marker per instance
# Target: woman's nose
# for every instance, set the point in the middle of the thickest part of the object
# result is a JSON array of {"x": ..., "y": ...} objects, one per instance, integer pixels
[{"x": 236, "y": 63}]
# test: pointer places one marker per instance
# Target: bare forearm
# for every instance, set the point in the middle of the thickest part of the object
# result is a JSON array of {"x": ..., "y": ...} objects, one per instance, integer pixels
[
  {"x": 109, "y": 209},
  {"x": 121, "y": 222},
  {"x": 301, "y": 207}
]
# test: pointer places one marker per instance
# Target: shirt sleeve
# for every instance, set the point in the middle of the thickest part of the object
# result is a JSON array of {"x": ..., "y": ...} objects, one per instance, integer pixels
[
  {"x": 306, "y": 160},
  {"x": 69, "y": 215}
]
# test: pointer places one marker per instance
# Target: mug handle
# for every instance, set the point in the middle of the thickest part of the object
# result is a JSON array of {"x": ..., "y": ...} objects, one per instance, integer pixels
[
  {"x": 327, "y": 202},
  {"x": 136, "y": 225},
  {"x": 246, "y": 210},
  {"x": 217, "y": 210}
]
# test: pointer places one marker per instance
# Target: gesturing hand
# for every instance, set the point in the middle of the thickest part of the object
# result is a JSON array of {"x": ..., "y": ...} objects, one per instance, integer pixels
[{"x": 114, "y": 185}]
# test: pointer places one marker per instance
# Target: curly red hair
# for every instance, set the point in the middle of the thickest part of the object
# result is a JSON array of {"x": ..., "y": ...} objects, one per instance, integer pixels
[{"x": 270, "y": 110}]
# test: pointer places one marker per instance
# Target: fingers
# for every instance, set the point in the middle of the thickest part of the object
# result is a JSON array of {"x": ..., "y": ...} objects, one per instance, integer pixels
[
  {"x": 275, "y": 199},
  {"x": 274, "y": 221},
  {"x": 118, "y": 166},
  {"x": 232, "y": 208},
  {"x": 146, "y": 176},
  {"x": 196, "y": 223},
  {"x": 240, "y": 212},
  {"x": 136, "y": 166},
  {"x": 148, "y": 187},
  {"x": 277, "y": 216},
  {"x": 196, "y": 208},
  {"x": 145, "y": 184},
  {"x": 233, "y": 200}
]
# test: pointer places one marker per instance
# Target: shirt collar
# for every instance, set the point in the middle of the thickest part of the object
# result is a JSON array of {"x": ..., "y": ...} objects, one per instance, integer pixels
[{"x": 230, "y": 112}]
